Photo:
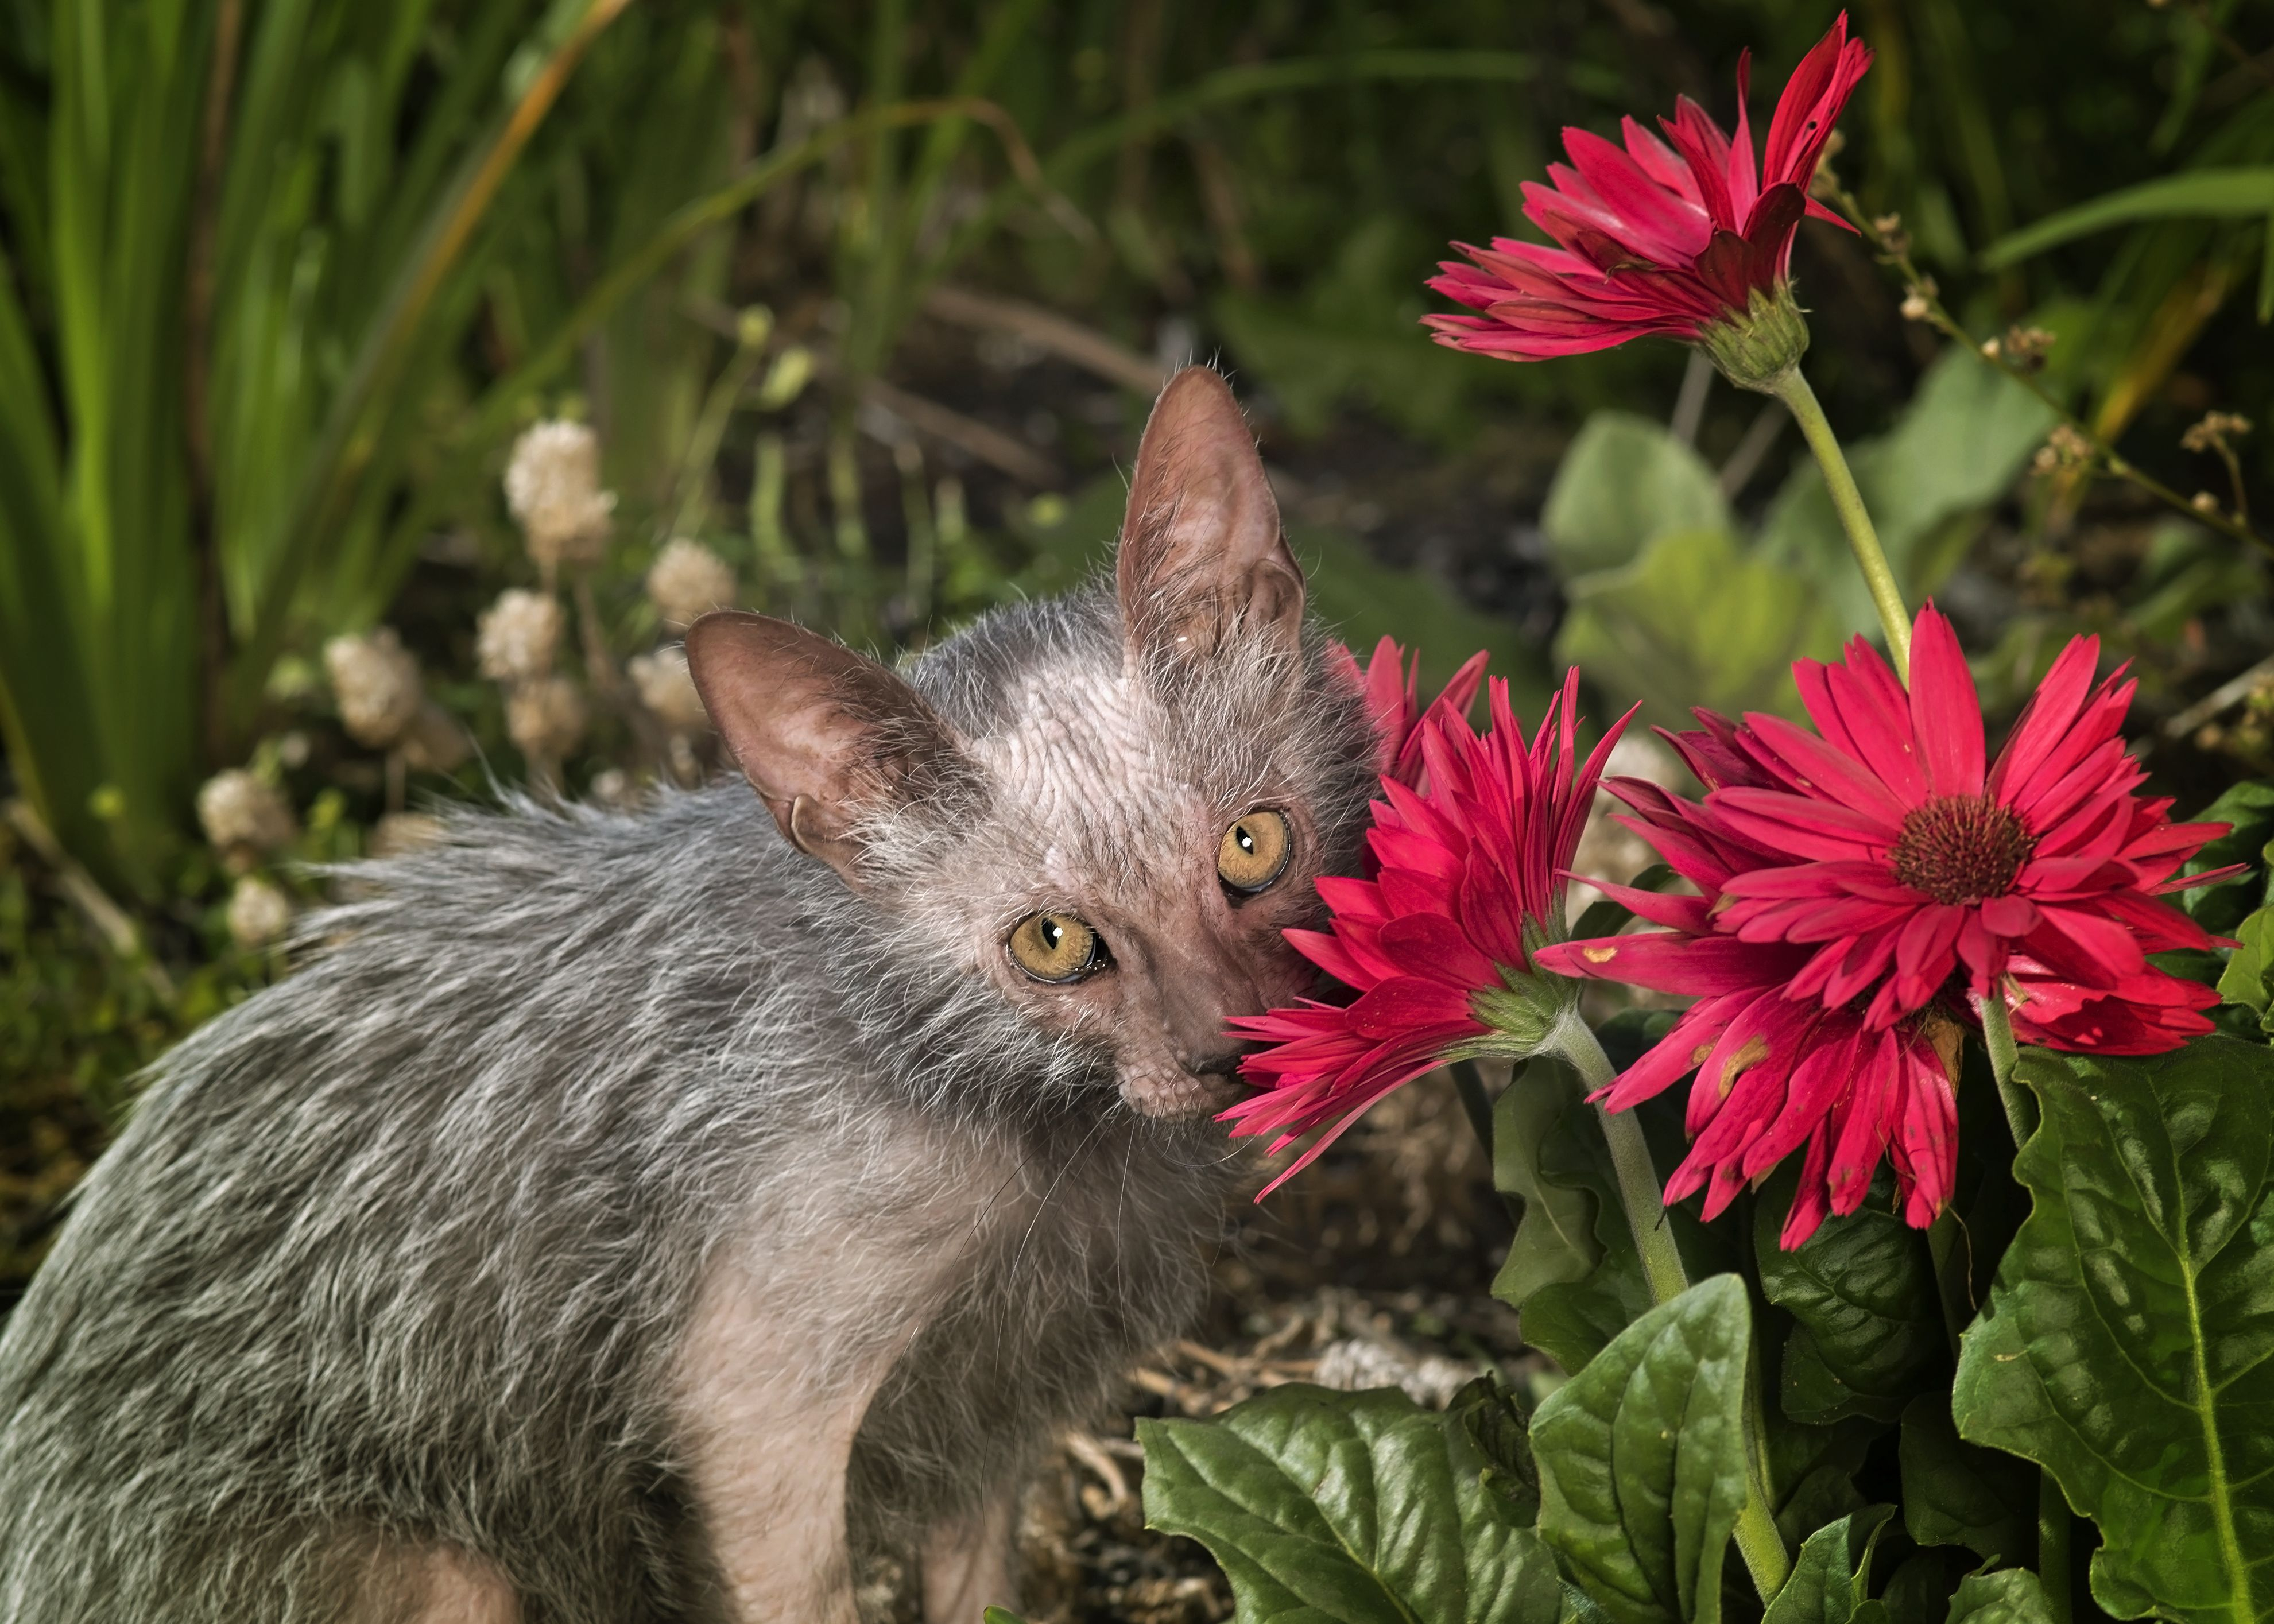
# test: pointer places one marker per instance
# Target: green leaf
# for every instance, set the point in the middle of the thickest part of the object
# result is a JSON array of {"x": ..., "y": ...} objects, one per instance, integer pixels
[
  {"x": 1624, "y": 483},
  {"x": 2244, "y": 979},
  {"x": 1354, "y": 1507},
  {"x": 1554, "y": 1240},
  {"x": 1957, "y": 447},
  {"x": 2216, "y": 194},
  {"x": 1956, "y": 1494},
  {"x": 2126, "y": 1344},
  {"x": 1572, "y": 1320},
  {"x": 1000, "y": 1615},
  {"x": 1863, "y": 1291},
  {"x": 1642, "y": 1459},
  {"x": 1487, "y": 1415},
  {"x": 1696, "y": 619},
  {"x": 1831, "y": 1574},
  {"x": 2010, "y": 1595},
  {"x": 2248, "y": 809}
]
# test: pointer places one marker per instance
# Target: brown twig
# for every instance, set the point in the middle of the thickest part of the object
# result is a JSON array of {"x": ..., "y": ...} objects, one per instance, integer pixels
[
  {"x": 1046, "y": 330},
  {"x": 990, "y": 446}
]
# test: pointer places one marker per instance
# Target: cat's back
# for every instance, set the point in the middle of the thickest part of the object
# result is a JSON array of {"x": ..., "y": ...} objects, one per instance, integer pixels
[{"x": 439, "y": 1175}]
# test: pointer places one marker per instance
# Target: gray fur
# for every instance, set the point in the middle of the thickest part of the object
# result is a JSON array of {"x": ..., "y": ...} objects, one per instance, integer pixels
[{"x": 398, "y": 1253}]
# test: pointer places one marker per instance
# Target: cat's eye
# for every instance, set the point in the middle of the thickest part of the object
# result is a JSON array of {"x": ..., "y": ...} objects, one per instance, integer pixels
[
  {"x": 1254, "y": 852},
  {"x": 1056, "y": 947}
]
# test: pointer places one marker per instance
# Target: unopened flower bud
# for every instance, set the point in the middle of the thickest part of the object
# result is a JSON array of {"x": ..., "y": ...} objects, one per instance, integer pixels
[
  {"x": 668, "y": 688},
  {"x": 687, "y": 580},
  {"x": 2214, "y": 431},
  {"x": 236, "y": 810},
  {"x": 545, "y": 718},
  {"x": 375, "y": 679},
  {"x": 1991, "y": 349},
  {"x": 400, "y": 833},
  {"x": 2026, "y": 347},
  {"x": 258, "y": 913},
  {"x": 434, "y": 742},
  {"x": 2064, "y": 448},
  {"x": 2204, "y": 502},
  {"x": 518, "y": 635},
  {"x": 553, "y": 488}
]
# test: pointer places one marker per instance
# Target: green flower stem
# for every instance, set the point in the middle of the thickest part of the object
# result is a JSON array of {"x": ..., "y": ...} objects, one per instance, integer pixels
[
  {"x": 1757, "y": 1538},
  {"x": 2020, "y": 1116},
  {"x": 1800, "y": 400},
  {"x": 1998, "y": 1038},
  {"x": 2053, "y": 1525},
  {"x": 1661, "y": 1264}
]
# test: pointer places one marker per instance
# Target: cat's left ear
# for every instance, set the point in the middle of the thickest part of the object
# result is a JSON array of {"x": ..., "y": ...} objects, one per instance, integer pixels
[
  {"x": 1201, "y": 557},
  {"x": 827, "y": 737}
]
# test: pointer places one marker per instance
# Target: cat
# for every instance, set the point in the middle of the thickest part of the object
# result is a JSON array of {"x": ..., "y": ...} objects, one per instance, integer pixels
[{"x": 625, "y": 1216}]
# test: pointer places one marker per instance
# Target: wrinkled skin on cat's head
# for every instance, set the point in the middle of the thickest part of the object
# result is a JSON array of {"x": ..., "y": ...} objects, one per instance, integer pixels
[{"x": 1109, "y": 806}]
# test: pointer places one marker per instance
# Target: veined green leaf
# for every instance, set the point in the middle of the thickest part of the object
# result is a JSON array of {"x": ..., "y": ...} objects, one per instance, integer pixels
[
  {"x": 2197, "y": 193},
  {"x": 1870, "y": 1320},
  {"x": 1360, "y": 1508},
  {"x": 1625, "y": 481},
  {"x": 1555, "y": 1239},
  {"x": 1697, "y": 619},
  {"x": 2010, "y": 1595},
  {"x": 1830, "y": 1577},
  {"x": 1642, "y": 1459},
  {"x": 2129, "y": 1343},
  {"x": 1956, "y": 1494}
]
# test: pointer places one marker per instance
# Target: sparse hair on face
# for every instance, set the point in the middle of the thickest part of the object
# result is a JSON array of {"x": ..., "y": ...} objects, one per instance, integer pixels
[{"x": 594, "y": 1166}]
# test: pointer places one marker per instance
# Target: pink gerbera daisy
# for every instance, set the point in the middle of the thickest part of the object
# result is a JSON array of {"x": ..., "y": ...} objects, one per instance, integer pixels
[
  {"x": 1391, "y": 683},
  {"x": 1468, "y": 882},
  {"x": 1861, "y": 886},
  {"x": 1682, "y": 241}
]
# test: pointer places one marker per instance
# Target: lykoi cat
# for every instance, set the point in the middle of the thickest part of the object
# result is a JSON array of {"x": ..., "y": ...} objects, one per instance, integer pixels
[{"x": 626, "y": 1217}]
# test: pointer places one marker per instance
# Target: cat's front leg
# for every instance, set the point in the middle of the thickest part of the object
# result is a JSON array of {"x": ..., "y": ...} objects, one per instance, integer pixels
[
  {"x": 769, "y": 1434},
  {"x": 967, "y": 1564}
]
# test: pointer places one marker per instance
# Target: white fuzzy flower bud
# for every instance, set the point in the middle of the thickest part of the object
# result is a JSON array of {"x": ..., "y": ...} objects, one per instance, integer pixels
[
  {"x": 236, "y": 809},
  {"x": 258, "y": 913},
  {"x": 553, "y": 487},
  {"x": 402, "y": 833},
  {"x": 545, "y": 718},
  {"x": 518, "y": 635},
  {"x": 668, "y": 688},
  {"x": 434, "y": 742},
  {"x": 687, "y": 579},
  {"x": 376, "y": 682}
]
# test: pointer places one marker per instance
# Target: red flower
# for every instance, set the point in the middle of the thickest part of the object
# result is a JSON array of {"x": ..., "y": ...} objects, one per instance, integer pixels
[
  {"x": 1860, "y": 884},
  {"x": 1392, "y": 686},
  {"x": 1657, "y": 240},
  {"x": 1438, "y": 943}
]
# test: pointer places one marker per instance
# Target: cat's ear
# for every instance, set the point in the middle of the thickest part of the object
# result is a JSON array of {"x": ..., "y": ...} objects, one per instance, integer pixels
[
  {"x": 823, "y": 734},
  {"x": 1201, "y": 557}
]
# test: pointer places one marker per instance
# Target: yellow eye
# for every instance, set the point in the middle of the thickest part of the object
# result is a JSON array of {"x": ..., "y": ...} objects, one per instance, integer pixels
[
  {"x": 1056, "y": 947},
  {"x": 1254, "y": 851}
]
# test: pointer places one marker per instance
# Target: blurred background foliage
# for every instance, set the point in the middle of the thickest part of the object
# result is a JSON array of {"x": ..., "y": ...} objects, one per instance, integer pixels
[{"x": 869, "y": 302}]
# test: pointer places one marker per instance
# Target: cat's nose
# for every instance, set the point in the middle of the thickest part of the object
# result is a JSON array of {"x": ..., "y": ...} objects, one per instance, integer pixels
[{"x": 1221, "y": 1063}]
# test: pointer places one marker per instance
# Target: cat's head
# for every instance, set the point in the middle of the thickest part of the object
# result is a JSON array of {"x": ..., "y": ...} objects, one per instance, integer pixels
[{"x": 1103, "y": 808}]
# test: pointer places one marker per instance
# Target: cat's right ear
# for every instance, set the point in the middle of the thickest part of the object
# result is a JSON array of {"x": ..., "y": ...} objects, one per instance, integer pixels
[
  {"x": 823, "y": 734},
  {"x": 1201, "y": 560}
]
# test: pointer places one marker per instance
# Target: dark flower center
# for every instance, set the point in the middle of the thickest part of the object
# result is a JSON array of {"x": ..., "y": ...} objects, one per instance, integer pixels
[{"x": 1961, "y": 848}]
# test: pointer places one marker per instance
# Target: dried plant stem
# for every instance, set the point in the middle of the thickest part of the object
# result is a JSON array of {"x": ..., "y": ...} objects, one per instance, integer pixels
[
  {"x": 1855, "y": 518},
  {"x": 1757, "y": 1539},
  {"x": 2104, "y": 456}
]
